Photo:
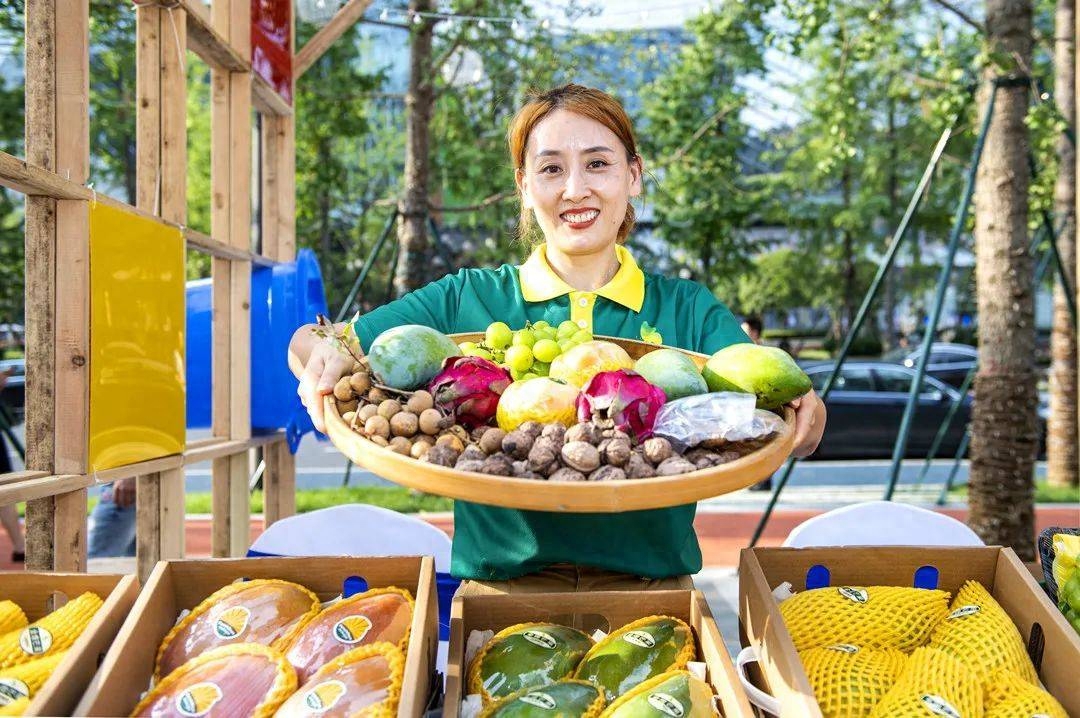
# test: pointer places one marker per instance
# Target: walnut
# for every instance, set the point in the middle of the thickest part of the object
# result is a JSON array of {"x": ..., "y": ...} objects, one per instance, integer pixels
[
  {"x": 554, "y": 431},
  {"x": 674, "y": 465},
  {"x": 726, "y": 457},
  {"x": 585, "y": 431},
  {"x": 657, "y": 450},
  {"x": 498, "y": 465},
  {"x": 617, "y": 452},
  {"x": 543, "y": 455},
  {"x": 617, "y": 435},
  {"x": 470, "y": 465},
  {"x": 472, "y": 452},
  {"x": 491, "y": 440},
  {"x": 638, "y": 468},
  {"x": 478, "y": 433},
  {"x": 608, "y": 473},
  {"x": 567, "y": 475},
  {"x": 702, "y": 458},
  {"x": 581, "y": 455},
  {"x": 442, "y": 455},
  {"x": 452, "y": 441},
  {"x": 518, "y": 443},
  {"x": 532, "y": 428}
]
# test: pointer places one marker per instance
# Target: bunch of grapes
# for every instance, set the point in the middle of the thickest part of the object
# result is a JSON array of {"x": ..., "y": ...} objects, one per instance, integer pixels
[{"x": 527, "y": 352}]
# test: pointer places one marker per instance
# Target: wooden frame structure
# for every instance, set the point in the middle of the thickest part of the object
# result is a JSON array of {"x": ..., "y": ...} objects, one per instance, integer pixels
[{"x": 53, "y": 177}]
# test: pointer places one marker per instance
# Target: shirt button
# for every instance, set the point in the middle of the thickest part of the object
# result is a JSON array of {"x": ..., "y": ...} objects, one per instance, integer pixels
[
  {"x": 583, "y": 302},
  {"x": 582, "y": 323}
]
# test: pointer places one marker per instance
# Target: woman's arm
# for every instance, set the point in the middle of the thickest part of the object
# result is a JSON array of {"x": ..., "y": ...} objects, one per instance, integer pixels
[
  {"x": 318, "y": 365},
  {"x": 809, "y": 423}
]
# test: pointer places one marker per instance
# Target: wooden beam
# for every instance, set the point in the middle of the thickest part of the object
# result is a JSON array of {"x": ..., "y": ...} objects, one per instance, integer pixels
[
  {"x": 208, "y": 43},
  {"x": 314, "y": 48},
  {"x": 279, "y": 483},
  {"x": 15, "y": 477},
  {"x": 42, "y": 487},
  {"x": 142, "y": 468},
  {"x": 266, "y": 99},
  {"x": 218, "y": 448}
]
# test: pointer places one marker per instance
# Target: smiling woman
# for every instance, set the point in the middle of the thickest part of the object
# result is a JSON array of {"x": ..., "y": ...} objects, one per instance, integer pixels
[{"x": 576, "y": 168}]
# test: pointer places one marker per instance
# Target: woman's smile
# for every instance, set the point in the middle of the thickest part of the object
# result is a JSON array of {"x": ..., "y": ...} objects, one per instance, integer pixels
[{"x": 580, "y": 218}]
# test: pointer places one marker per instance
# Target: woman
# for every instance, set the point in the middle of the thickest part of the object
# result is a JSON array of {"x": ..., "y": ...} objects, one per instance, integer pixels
[{"x": 576, "y": 166}]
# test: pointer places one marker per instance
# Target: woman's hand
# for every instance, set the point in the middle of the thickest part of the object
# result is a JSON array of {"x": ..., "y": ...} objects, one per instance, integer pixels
[
  {"x": 809, "y": 423},
  {"x": 318, "y": 365}
]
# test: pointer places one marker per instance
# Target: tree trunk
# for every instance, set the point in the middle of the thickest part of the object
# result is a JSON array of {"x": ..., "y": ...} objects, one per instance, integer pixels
[
  {"x": 1003, "y": 426},
  {"x": 1061, "y": 430},
  {"x": 419, "y": 106}
]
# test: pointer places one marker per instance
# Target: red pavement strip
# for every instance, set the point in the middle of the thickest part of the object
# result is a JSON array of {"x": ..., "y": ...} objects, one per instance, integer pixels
[{"x": 722, "y": 535}]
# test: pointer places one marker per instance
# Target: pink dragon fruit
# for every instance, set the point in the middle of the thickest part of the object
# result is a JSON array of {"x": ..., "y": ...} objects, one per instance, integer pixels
[
  {"x": 623, "y": 397},
  {"x": 469, "y": 388}
]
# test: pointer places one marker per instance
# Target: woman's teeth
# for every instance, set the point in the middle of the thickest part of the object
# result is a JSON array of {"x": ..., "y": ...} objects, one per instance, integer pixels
[{"x": 581, "y": 217}]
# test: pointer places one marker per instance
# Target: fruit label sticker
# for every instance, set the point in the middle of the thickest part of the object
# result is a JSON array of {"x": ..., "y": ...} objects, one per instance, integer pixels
[
  {"x": 324, "y": 696},
  {"x": 11, "y": 690},
  {"x": 198, "y": 700},
  {"x": 232, "y": 622},
  {"x": 844, "y": 648},
  {"x": 639, "y": 638},
  {"x": 35, "y": 640},
  {"x": 667, "y": 705},
  {"x": 967, "y": 610},
  {"x": 539, "y": 699},
  {"x": 939, "y": 706},
  {"x": 352, "y": 629},
  {"x": 539, "y": 638},
  {"x": 858, "y": 595}
]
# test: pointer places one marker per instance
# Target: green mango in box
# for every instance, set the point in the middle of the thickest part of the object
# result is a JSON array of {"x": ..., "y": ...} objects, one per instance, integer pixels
[
  {"x": 409, "y": 356},
  {"x": 528, "y": 655},
  {"x": 767, "y": 372},
  {"x": 675, "y": 694},
  {"x": 637, "y": 652},
  {"x": 565, "y": 699},
  {"x": 672, "y": 371}
]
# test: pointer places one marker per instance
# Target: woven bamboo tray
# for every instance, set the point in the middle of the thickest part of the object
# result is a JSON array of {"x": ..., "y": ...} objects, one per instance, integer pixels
[{"x": 587, "y": 497}]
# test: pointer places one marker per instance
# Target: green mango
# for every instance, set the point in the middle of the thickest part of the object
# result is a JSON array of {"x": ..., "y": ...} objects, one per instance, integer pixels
[
  {"x": 528, "y": 655},
  {"x": 675, "y": 694},
  {"x": 409, "y": 356},
  {"x": 767, "y": 372},
  {"x": 637, "y": 652},
  {"x": 565, "y": 699},
  {"x": 672, "y": 371}
]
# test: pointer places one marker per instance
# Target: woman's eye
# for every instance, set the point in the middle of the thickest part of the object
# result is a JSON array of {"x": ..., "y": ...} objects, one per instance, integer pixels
[
  {"x": 549, "y": 170},
  {"x": 596, "y": 164}
]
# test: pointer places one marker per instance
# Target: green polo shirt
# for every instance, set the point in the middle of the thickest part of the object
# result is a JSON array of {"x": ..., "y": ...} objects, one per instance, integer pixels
[{"x": 494, "y": 543}]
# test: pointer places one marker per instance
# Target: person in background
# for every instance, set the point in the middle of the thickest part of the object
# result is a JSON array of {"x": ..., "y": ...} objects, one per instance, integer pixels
[
  {"x": 752, "y": 326},
  {"x": 112, "y": 522},
  {"x": 9, "y": 516}
]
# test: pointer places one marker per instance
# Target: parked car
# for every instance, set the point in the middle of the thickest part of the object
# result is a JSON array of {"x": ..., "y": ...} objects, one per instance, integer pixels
[
  {"x": 949, "y": 363},
  {"x": 13, "y": 395},
  {"x": 866, "y": 406}
]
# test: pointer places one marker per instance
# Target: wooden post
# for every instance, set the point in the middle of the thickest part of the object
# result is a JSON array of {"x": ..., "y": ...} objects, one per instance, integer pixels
[
  {"x": 279, "y": 483},
  {"x": 57, "y": 139}
]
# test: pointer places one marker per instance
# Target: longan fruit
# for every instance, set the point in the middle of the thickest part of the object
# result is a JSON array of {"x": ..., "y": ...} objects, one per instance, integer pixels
[
  {"x": 404, "y": 423},
  {"x": 400, "y": 445},
  {"x": 377, "y": 426},
  {"x": 430, "y": 421},
  {"x": 388, "y": 408},
  {"x": 366, "y": 412},
  {"x": 419, "y": 402},
  {"x": 343, "y": 390},
  {"x": 360, "y": 382},
  {"x": 452, "y": 441}
]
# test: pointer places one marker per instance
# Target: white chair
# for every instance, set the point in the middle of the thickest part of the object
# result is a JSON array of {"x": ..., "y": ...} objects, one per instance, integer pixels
[{"x": 882, "y": 523}]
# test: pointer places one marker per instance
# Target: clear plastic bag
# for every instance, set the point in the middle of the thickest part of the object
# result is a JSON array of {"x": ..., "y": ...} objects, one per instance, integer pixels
[{"x": 714, "y": 420}]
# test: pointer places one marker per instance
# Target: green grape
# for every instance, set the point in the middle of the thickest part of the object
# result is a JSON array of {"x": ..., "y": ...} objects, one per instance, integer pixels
[
  {"x": 524, "y": 338},
  {"x": 519, "y": 357},
  {"x": 517, "y": 375},
  {"x": 653, "y": 338},
  {"x": 541, "y": 325},
  {"x": 541, "y": 368},
  {"x": 529, "y": 375},
  {"x": 497, "y": 356},
  {"x": 545, "y": 350},
  {"x": 498, "y": 335},
  {"x": 482, "y": 353},
  {"x": 547, "y": 333},
  {"x": 566, "y": 330},
  {"x": 582, "y": 336},
  {"x": 466, "y": 347}
]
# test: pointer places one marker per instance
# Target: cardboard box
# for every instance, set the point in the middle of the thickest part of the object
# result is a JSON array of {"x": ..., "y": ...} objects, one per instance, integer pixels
[
  {"x": 607, "y": 610},
  {"x": 33, "y": 592},
  {"x": 176, "y": 585},
  {"x": 1054, "y": 646}
]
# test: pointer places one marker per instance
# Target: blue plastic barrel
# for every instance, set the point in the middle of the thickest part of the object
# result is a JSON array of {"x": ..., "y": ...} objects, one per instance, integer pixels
[{"x": 282, "y": 298}]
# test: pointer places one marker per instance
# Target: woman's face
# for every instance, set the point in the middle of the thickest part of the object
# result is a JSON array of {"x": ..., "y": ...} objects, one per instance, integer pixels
[{"x": 578, "y": 181}]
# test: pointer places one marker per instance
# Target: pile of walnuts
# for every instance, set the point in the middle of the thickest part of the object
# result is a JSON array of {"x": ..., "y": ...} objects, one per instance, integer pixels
[{"x": 410, "y": 424}]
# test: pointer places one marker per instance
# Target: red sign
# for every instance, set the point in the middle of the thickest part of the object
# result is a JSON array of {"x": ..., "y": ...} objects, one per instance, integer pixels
[{"x": 271, "y": 46}]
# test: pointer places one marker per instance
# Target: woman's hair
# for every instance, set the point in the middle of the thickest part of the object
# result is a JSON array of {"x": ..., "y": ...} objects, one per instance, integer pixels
[{"x": 596, "y": 105}]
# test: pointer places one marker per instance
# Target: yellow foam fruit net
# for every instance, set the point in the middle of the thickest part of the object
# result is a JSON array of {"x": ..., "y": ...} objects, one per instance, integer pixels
[
  {"x": 978, "y": 632},
  {"x": 871, "y": 617},
  {"x": 848, "y": 680},
  {"x": 1010, "y": 696},
  {"x": 932, "y": 683}
]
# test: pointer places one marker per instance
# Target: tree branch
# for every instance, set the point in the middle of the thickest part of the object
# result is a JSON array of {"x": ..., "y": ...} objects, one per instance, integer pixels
[{"x": 961, "y": 14}]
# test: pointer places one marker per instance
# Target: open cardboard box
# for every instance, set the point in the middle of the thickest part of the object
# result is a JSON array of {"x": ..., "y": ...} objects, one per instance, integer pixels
[
  {"x": 606, "y": 610},
  {"x": 1052, "y": 644},
  {"x": 35, "y": 594},
  {"x": 176, "y": 585}
]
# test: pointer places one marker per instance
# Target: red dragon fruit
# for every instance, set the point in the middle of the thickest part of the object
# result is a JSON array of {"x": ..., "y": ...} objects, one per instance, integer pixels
[
  {"x": 624, "y": 398},
  {"x": 469, "y": 388}
]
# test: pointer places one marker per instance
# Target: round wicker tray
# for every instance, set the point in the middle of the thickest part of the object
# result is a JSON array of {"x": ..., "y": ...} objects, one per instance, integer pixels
[{"x": 599, "y": 497}]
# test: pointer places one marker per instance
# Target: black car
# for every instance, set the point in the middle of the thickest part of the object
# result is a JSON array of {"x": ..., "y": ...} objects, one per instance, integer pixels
[
  {"x": 866, "y": 406},
  {"x": 949, "y": 363}
]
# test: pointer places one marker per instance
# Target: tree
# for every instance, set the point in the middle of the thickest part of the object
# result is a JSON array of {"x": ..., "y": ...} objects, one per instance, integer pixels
[
  {"x": 1003, "y": 428},
  {"x": 1062, "y": 429}
]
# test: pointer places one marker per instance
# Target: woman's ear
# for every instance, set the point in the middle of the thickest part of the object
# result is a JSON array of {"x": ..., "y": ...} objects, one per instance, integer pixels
[
  {"x": 636, "y": 170},
  {"x": 523, "y": 188}
]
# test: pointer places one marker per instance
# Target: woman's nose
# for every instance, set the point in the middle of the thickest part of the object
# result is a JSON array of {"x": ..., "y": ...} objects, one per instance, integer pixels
[{"x": 576, "y": 187}]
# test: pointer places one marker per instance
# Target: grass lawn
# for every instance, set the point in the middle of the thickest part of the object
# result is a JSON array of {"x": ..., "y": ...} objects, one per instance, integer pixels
[{"x": 1044, "y": 494}]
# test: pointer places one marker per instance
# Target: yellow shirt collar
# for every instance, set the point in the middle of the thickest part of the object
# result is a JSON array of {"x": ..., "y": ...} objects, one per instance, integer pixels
[{"x": 540, "y": 283}]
